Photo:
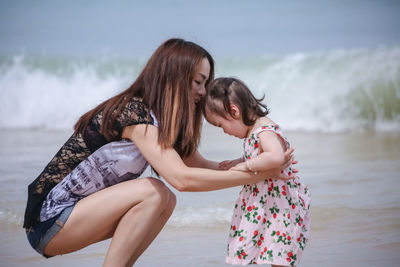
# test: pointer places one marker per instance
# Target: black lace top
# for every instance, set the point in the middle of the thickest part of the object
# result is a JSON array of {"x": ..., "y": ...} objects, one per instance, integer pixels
[{"x": 74, "y": 151}]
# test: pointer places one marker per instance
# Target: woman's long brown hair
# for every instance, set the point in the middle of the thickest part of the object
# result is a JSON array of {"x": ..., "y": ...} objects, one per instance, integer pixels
[{"x": 165, "y": 85}]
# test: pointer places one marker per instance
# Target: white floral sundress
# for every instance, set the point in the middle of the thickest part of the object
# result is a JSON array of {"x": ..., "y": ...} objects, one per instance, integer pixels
[{"x": 271, "y": 219}]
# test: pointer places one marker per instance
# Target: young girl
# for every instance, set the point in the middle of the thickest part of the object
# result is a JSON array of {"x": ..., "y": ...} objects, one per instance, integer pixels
[{"x": 271, "y": 218}]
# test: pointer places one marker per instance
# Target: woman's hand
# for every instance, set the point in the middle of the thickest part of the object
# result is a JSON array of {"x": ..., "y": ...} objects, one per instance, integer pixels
[
  {"x": 289, "y": 160},
  {"x": 240, "y": 167}
]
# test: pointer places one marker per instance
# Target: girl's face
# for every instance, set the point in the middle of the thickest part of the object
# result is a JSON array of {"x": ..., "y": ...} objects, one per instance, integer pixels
[
  {"x": 200, "y": 78},
  {"x": 231, "y": 125}
]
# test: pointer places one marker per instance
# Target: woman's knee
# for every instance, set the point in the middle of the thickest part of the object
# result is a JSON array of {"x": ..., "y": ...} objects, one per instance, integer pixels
[
  {"x": 172, "y": 202},
  {"x": 159, "y": 192}
]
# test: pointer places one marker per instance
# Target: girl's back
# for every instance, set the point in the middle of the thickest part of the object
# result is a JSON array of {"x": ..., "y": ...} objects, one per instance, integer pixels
[{"x": 270, "y": 223}]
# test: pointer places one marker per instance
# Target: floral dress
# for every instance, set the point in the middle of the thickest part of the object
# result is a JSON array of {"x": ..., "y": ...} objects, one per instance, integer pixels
[{"x": 271, "y": 219}]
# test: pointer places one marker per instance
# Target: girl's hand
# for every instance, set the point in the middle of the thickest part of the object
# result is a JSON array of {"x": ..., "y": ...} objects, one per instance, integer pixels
[{"x": 227, "y": 164}]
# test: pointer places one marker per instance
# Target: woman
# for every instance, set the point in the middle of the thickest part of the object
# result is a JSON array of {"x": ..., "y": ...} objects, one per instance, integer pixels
[{"x": 87, "y": 193}]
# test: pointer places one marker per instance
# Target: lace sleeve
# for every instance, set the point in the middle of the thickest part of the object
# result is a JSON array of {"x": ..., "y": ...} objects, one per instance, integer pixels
[{"x": 135, "y": 112}]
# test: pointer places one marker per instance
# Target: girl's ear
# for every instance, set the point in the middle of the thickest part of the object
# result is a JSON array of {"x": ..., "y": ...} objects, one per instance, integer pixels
[{"x": 235, "y": 111}]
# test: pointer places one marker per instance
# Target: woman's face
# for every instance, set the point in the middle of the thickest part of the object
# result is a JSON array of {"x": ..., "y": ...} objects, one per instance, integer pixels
[{"x": 201, "y": 76}]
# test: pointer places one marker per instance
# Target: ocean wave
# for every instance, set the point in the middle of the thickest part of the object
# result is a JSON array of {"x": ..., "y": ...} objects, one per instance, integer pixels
[{"x": 327, "y": 91}]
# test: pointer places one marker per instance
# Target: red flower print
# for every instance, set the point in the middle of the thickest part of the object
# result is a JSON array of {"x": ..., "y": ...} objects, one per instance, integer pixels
[
  {"x": 255, "y": 233},
  {"x": 284, "y": 188},
  {"x": 234, "y": 228},
  {"x": 293, "y": 206},
  {"x": 261, "y": 238},
  {"x": 256, "y": 145},
  {"x": 258, "y": 217},
  {"x": 288, "y": 259},
  {"x": 288, "y": 237},
  {"x": 289, "y": 173},
  {"x": 283, "y": 234},
  {"x": 290, "y": 254},
  {"x": 248, "y": 208},
  {"x": 259, "y": 242},
  {"x": 241, "y": 239},
  {"x": 270, "y": 189},
  {"x": 274, "y": 215},
  {"x": 278, "y": 233},
  {"x": 265, "y": 249},
  {"x": 240, "y": 257},
  {"x": 284, "y": 193},
  {"x": 288, "y": 215},
  {"x": 264, "y": 220},
  {"x": 243, "y": 253}
]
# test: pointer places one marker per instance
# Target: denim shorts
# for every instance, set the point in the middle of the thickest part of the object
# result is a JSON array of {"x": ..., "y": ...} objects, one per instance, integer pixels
[{"x": 42, "y": 233}]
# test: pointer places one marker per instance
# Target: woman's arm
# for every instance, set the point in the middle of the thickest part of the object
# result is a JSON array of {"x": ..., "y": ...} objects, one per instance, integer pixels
[
  {"x": 170, "y": 166},
  {"x": 198, "y": 161}
]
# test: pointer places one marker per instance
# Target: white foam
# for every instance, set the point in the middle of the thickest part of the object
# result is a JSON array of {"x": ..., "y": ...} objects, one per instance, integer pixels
[
  {"x": 332, "y": 91},
  {"x": 209, "y": 216},
  {"x": 34, "y": 98}
]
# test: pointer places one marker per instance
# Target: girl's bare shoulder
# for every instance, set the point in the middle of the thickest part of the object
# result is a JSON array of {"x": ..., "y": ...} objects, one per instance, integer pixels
[{"x": 265, "y": 121}]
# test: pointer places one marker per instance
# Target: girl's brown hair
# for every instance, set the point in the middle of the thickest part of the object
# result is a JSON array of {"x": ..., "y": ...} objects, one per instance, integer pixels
[
  {"x": 165, "y": 85},
  {"x": 225, "y": 91}
]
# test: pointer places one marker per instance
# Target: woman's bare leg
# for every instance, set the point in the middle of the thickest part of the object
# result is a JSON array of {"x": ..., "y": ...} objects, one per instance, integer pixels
[
  {"x": 128, "y": 211},
  {"x": 161, "y": 221}
]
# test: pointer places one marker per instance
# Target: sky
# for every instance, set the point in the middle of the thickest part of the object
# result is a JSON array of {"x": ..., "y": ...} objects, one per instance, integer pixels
[{"x": 226, "y": 27}]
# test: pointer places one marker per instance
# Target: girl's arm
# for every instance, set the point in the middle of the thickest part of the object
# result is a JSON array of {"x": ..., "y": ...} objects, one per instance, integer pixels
[
  {"x": 271, "y": 157},
  {"x": 170, "y": 166}
]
